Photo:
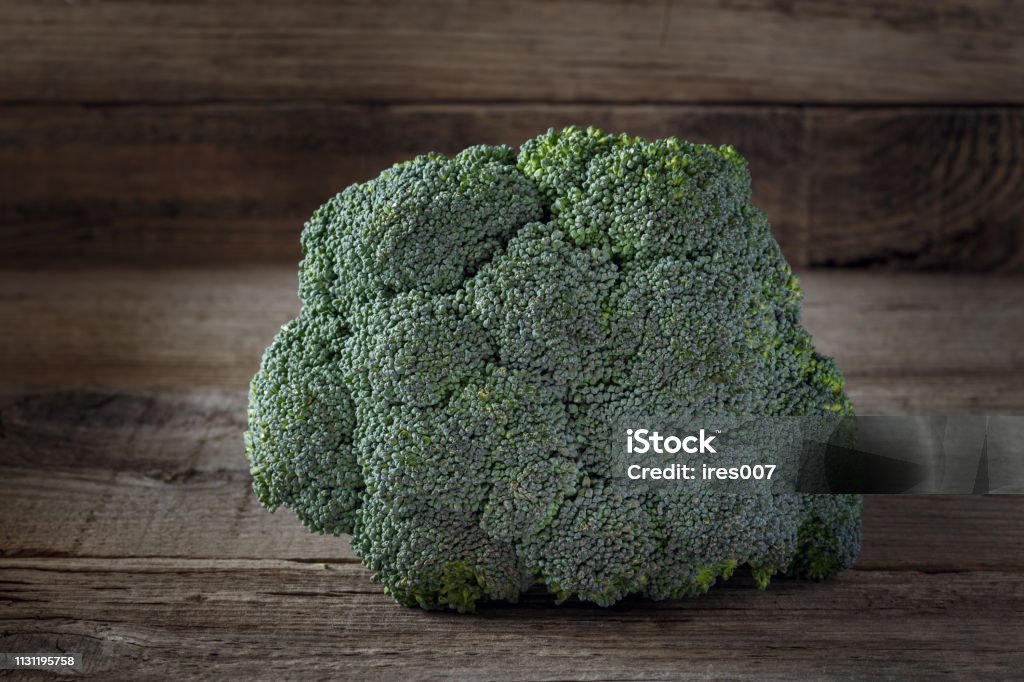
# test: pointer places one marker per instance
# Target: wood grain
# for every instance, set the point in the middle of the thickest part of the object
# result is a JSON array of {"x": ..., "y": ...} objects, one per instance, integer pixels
[
  {"x": 908, "y": 343},
  {"x": 928, "y": 189},
  {"x": 902, "y": 324},
  {"x": 113, "y": 475},
  {"x": 613, "y": 50},
  {"x": 266, "y": 619},
  {"x": 156, "y": 328},
  {"x": 129, "y": 532},
  {"x": 228, "y": 184}
]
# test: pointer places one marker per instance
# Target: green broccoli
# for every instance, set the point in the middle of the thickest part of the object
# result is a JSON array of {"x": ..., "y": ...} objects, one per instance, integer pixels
[{"x": 472, "y": 325}]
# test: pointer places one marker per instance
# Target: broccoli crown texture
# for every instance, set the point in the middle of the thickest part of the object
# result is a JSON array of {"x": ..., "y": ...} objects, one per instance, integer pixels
[{"x": 470, "y": 328}]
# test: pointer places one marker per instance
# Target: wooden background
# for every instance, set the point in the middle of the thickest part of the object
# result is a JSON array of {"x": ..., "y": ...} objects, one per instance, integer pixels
[
  {"x": 158, "y": 159},
  {"x": 184, "y": 132}
]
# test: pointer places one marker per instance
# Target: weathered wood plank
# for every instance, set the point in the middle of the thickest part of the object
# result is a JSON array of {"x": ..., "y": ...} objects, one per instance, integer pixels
[
  {"x": 144, "y": 185},
  {"x": 221, "y": 184},
  {"x": 262, "y": 620},
  {"x": 923, "y": 189},
  {"x": 86, "y": 500},
  {"x": 158, "y": 328},
  {"x": 953, "y": 393},
  {"x": 95, "y": 474},
  {"x": 907, "y": 343},
  {"x": 113, "y": 514},
  {"x": 97, "y": 513},
  {"x": 614, "y": 50},
  {"x": 159, "y": 474},
  {"x": 903, "y": 324},
  {"x": 943, "y": 532}
]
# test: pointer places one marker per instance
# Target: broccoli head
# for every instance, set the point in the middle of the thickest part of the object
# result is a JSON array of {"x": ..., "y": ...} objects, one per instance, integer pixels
[{"x": 470, "y": 328}]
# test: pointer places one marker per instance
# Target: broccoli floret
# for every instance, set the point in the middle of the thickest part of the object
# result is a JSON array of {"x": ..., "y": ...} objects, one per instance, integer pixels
[{"x": 473, "y": 326}]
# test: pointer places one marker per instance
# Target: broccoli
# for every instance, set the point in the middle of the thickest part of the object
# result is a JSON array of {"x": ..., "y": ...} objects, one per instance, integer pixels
[{"x": 470, "y": 328}]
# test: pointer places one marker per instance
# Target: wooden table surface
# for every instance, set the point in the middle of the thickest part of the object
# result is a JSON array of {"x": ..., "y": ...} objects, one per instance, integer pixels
[{"x": 129, "y": 531}]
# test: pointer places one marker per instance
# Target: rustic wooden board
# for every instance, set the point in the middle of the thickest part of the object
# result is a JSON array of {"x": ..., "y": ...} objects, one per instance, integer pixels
[
  {"x": 906, "y": 342},
  {"x": 752, "y": 51},
  {"x": 139, "y": 619},
  {"x": 114, "y": 475},
  {"x": 929, "y": 189},
  {"x": 129, "y": 532},
  {"x": 954, "y": 393},
  {"x": 233, "y": 183}
]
